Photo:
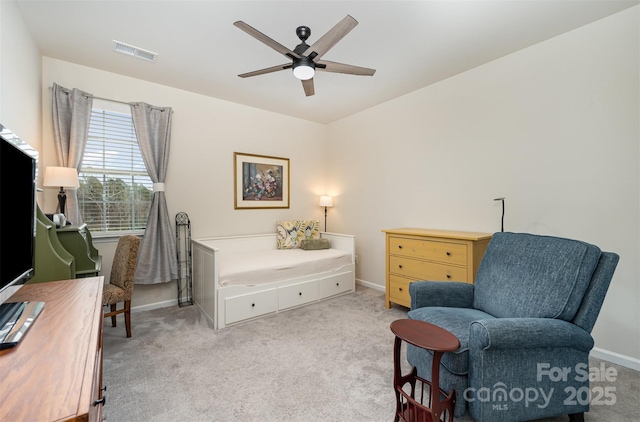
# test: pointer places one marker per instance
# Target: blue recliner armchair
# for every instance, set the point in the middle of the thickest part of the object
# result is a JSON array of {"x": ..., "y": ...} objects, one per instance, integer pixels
[{"x": 524, "y": 328}]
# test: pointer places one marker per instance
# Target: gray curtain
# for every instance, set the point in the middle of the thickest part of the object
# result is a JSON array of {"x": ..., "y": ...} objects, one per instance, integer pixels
[
  {"x": 157, "y": 260},
  {"x": 71, "y": 116}
]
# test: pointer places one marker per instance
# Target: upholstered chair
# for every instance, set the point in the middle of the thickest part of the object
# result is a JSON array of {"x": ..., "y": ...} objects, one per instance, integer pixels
[
  {"x": 524, "y": 328},
  {"x": 120, "y": 287}
]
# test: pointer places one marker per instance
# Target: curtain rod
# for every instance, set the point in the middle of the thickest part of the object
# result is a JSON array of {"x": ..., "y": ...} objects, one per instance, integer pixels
[
  {"x": 109, "y": 99},
  {"x": 100, "y": 98},
  {"x": 114, "y": 101}
]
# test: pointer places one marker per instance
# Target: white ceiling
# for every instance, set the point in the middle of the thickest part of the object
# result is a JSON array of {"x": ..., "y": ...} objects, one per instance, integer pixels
[{"x": 411, "y": 44}]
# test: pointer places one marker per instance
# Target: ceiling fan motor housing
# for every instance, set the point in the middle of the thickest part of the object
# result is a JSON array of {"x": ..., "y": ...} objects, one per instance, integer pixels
[{"x": 303, "y": 32}]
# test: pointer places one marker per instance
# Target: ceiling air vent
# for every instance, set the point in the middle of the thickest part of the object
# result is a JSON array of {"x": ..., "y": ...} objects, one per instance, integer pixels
[{"x": 130, "y": 50}]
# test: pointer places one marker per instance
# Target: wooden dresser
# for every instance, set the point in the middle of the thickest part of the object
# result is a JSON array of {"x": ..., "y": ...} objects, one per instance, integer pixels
[
  {"x": 55, "y": 372},
  {"x": 434, "y": 255}
]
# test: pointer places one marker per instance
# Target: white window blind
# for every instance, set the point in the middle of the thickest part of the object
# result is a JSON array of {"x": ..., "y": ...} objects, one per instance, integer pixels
[{"x": 115, "y": 189}]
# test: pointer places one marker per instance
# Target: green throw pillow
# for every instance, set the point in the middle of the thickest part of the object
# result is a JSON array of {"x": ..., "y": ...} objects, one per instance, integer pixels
[{"x": 314, "y": 244}]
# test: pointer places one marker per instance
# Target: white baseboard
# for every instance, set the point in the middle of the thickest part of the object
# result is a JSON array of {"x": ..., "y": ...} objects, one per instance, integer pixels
[
  {"x": 157, "y": 305},
  {"x": 617, "y": 358},
  {"x": 371, "y": 285}
]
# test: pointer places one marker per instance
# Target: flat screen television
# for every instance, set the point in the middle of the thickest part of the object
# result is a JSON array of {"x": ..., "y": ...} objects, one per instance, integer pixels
[{"x": 18, "y": 171}]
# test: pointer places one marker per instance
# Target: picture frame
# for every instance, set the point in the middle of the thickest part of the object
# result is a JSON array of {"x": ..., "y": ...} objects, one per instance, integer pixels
[{"x": 260, "y": 181}]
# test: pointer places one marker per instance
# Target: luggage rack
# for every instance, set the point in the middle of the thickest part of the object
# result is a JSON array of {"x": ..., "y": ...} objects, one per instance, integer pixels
[{"x": 185, "y": 284}]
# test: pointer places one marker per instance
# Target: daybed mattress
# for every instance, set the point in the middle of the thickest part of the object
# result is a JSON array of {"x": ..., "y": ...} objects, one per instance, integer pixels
[{"x": 261, "y": 267}]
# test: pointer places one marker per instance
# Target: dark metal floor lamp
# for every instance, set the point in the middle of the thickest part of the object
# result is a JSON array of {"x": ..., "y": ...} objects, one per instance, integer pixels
[
  {"x": 502, "y": 221},
  {"x": 326, "y": 201}
]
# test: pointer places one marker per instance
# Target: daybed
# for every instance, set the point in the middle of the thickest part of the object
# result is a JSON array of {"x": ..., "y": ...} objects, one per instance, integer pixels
[{"x": 239, "y": 278}]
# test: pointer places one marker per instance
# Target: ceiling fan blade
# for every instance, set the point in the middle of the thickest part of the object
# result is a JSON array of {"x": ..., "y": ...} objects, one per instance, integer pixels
[
  {"x": 344, "y": 68},
  {"x": 331, "y": 38},
  {"x": 308, "y": 87},
  {"x": 267, "y": 70},
  {"x": 266, "y": 40}
]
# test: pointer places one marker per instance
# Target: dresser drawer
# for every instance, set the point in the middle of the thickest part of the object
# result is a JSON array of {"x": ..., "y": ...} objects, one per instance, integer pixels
[
  {"x": 445, "y": 252},
  {"x": 335, "y": 284},
  {"x": 425, "y": 270},
  {"x": 97, "y": 394},
  {"x": 415, "y": 254},
  {"x": 297, "y": 294},
  {"x": 399, "y": 290},
  {"x": 238, "y": 308}
]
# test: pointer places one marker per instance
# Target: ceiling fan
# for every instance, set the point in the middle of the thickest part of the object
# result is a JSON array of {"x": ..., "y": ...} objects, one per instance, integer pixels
[{"x": 305, "y": 59}]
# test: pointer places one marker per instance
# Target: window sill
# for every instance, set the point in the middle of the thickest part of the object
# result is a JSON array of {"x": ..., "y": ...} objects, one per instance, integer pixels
[{"x": 103, "y": 237}]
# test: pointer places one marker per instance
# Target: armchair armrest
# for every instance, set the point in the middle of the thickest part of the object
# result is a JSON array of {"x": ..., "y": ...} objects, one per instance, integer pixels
[
  {"x": 438, "y": 293},
  {"x": 528, "y": 333}
]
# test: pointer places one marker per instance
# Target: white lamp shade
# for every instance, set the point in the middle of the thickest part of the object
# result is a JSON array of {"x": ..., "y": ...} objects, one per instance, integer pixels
[
  {"x": 326, "y": 201},
  {"x": 303, "y": 72},
  {"x": 66, "y": 177}
]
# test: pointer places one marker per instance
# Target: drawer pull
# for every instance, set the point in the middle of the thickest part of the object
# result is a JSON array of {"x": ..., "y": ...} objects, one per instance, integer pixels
[
  {"x": 399, "y": 246},
  {"x": 448, "y": 275},
  {"x": 448, "y": 253},
  {"x": 102, "y": 401},
  {"x": 338, "y": 284},
  {"x": 400, "y": 266},
  {"x": 253, "y": 305},
  {"x": 299, "y": 293},
  {"x": 400, "y": 288}
]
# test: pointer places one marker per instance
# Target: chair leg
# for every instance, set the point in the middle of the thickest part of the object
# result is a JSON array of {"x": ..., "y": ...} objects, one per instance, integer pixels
[
  {"x": 576, "y": 417},
  {"x": 113, "y": 318},
  {"x": 127, "y": 316}
]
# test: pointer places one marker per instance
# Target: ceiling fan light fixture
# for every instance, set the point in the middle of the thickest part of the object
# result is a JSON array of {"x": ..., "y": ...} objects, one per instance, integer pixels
[
  {"x": 306, "y": 58},
  {"x": 303, "y": 72},
  {"x": 304, "y": 69}
]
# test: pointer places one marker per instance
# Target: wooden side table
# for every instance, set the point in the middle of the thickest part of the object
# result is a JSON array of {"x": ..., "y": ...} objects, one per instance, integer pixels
[{"x": 431, "y": 337}]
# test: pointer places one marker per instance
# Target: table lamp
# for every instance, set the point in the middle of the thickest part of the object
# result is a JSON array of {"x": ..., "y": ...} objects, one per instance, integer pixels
[
  {"x": 326, "y": 201},
  {"x": 63, "y": 177}
]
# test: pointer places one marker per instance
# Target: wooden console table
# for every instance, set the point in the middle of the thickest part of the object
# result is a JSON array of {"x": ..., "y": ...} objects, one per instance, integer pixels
[
  {"x": 55, "y": 372},
  {"x": 434, "y": 255}
]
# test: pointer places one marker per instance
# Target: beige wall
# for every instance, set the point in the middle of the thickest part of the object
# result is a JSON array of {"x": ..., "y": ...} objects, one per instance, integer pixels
[
  {"x": 20, "y": 69},
  {"x": 205, "y": 134},
  {"x": 553, "y": 128}
]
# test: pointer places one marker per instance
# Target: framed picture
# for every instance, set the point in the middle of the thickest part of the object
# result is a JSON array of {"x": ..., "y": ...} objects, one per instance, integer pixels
[{"x": 260, "y": 181}]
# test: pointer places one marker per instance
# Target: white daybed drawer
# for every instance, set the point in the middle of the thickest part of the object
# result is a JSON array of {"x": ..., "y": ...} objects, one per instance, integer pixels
[
  {"x": 250, "y": 305},
  {"x": 298, "y": 294},
  {"x": 335, "y": 284}
]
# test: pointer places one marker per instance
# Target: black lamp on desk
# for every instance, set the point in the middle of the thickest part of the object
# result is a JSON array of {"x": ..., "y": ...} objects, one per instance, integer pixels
[{"x": 62, "y": 177}]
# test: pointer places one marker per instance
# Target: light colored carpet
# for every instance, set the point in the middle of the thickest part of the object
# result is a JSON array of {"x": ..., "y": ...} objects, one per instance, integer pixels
[{"x": 330, "y": 361}]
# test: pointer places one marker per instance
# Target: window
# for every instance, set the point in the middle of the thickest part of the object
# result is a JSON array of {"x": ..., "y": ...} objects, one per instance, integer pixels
[{"x": 115, "y": 189}]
